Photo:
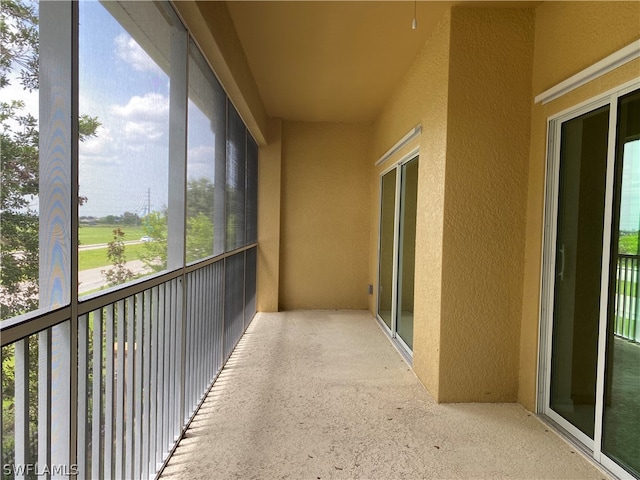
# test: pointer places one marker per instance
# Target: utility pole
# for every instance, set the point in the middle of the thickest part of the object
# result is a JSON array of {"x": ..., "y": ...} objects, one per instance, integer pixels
[{"x": 148, "y": 200}]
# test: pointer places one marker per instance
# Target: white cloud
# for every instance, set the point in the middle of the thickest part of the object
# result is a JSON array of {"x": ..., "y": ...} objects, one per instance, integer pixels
[
  {"x": 131, "y": 52},
  {"x": 89, "y": 162},
  {"x": 142, "y": 130},
  {"x": 143, "y": 118},
  {"x": 200, "y": 162},
  {"x": 97, "y": 145},
  {"x": 202, "y": 154},
  {"x": 151, "y": 106}
]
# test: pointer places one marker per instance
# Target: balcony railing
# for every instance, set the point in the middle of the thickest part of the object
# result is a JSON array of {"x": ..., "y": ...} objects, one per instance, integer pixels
[
  {"x": 627, "y": 304},
  {"x": 146, "y": 357}
]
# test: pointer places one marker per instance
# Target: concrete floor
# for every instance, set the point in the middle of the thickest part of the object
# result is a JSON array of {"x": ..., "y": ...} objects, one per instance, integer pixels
[{"x": 323, "y": 394}]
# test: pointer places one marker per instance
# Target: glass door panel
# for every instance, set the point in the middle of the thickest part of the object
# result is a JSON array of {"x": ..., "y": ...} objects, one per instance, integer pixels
[
  {"x": 387, "y": 235},
  {"x": 407, "y": 250},
  {"x": 579, "y": 244},
  {"x": 621, "y": 422}
]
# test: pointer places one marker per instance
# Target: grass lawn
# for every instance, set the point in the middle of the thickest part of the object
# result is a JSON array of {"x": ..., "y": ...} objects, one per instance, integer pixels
[
  {"x": 98, "y": 257},
  {"x": 92, "y": 234}
]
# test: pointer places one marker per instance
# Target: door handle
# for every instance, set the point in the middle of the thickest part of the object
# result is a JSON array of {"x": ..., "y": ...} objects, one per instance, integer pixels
[{"x": 561, "y": 252}]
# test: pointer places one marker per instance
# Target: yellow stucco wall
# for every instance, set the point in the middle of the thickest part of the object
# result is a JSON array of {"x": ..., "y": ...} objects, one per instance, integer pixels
[
  {"x": 421, "y": 98},
  {"x": 470, "y": 89},
  {"x": 491, "y": 54},
  {"x": 269, "y": 188},
  {"x": 569, "y": 37},
  {"x": 325, "y": 207},
  {"x": 480, "y": 199}
]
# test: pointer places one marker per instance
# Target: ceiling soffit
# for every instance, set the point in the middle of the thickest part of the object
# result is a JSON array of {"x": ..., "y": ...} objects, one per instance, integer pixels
[{"x": 329, "y": 61}]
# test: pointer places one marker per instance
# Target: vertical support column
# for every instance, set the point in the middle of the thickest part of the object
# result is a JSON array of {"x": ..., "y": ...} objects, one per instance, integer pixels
[
  {"x": 269, "y": 194},
  {"x": 176, "y": 221},
  {"x": 58, "y": 207},
  {"x": 55, "y": 189},
  {"x": 177, "y": 148},
  {"x": 220, "y": 173}
]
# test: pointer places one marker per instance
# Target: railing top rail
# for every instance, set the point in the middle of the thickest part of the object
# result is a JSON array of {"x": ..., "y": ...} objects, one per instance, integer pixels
[{"x": 17, "y": 328}]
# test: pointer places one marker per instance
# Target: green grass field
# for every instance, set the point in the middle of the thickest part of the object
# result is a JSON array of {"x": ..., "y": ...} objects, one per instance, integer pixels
[
  {"x": 95, "y": 258},
  {"x": 92, "y": 234}
]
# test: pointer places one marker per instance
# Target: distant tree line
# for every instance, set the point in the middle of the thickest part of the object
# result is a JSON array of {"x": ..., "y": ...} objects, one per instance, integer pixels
[{"x": 127, "y": 218}]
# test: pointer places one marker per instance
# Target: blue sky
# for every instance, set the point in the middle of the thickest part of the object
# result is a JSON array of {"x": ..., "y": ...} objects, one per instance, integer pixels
[{"x": 129, "y": 93}]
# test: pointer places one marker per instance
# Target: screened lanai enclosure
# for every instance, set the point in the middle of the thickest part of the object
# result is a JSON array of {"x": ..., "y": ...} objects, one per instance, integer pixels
[
  {"x": 129, "y": 236},
  {"x": 495, "y": 244}
]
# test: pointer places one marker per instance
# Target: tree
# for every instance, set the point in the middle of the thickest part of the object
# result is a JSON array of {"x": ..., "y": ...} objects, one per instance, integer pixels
[
  {"x": 118, "y": 273},
  {"x": 19, "y": 40},
  {"x": 199, "y": 237},
  {"x": 199, "y": 240},
  {"x": 129, "y": 218},
  {"x": 155, "y": 251},
  {"x": 200, "y": 197}
]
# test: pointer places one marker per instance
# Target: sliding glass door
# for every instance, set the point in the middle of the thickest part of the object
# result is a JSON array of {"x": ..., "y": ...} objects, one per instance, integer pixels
[
  {"x": 576, "y": 314},
  {"x": 398, "y": 208},
  {"x": 621, "y": 417},
  {"x": 387, "y": 243},
  {"x": 590, "y": 356}
]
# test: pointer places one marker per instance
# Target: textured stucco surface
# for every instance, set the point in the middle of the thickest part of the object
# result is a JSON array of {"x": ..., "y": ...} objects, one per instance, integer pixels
[
  {"x": 310, "y": 395},
  {"x": 421, "y": 98},
  {"x": 472, "y": 64},
  {"x": 269, "y": 187},
  {"x": 470, "y": 88},
  {"x": 325, "y": 216},
  {"x": 569, "y": 36},
  {"x": 491, "y": 54}
]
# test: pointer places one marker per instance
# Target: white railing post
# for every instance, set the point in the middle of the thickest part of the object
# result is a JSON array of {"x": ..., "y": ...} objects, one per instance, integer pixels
[
  {"x": 60, "y": 397},
  {"x": 21, "y": 406},
  {"x": 44, "y": 398}
]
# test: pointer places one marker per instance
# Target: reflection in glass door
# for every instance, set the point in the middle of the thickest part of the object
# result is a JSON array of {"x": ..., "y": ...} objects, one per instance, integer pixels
[
  {"x": 407, "y": 251},
  {"x": 398, "y": 208},
  {"x": 387, "y": 235},
  {"x": 591, "y": 360},
  {"x": 576, "y": 314},
  {"x": 621, "y": 423}
]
